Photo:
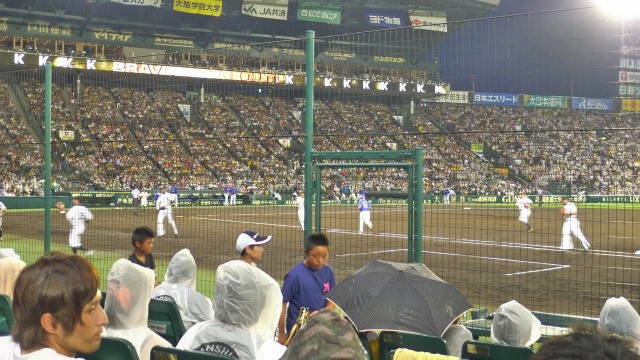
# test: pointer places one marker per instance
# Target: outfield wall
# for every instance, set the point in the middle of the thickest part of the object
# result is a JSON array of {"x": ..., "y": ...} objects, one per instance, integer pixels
[{"x": 122, "y": 199}]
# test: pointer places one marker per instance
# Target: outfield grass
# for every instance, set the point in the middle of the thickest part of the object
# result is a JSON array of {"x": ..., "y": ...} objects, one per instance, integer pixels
[{"x": 30, "y": 249}]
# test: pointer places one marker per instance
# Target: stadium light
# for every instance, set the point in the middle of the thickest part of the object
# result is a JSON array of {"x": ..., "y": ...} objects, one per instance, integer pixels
[{"x": 620, "y": 9}]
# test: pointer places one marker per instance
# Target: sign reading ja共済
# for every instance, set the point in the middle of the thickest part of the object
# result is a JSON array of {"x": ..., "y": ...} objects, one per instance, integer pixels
[{"x": 273, "y": 9}]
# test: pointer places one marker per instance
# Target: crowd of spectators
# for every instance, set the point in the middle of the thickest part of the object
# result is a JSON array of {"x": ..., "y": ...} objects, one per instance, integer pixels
[
  {"x": 110, "y": 152},
  {"x": 127, "y": 136},
  {"x": 593, "y": 151},
  {"x": 20, "y": 156},
  {"x": 257, "y": 140}
]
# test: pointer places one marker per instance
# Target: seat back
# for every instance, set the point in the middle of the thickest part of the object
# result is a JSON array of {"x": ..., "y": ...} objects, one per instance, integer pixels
[
  {"x": 365, "y": 344},
  {"x": 166, "y": 353},
  {"x": 562, "y": 320},
  {"x": 165, "y": 320},
  {"x": 391, "y": 340},
  {"x": 112, "y": 348},
  {"x": 475, "y": 350},
  {"x": 6, "y": 315}
]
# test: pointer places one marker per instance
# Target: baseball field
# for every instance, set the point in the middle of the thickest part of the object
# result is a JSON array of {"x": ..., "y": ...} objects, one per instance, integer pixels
[{"x": 483, "y": 250}]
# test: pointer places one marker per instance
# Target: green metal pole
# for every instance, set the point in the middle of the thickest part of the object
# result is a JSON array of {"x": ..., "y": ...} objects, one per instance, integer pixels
[
  {"x": 47, "y": 157},
  {"x": 410, "y": 218},
  {"x": 318, "y": 203},
  {"x": 308, "y": 131},
  {"x": 419, "y": 175}
]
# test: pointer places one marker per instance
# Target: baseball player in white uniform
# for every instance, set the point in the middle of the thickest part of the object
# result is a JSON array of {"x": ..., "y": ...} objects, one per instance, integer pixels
[
  {"x": 234, "y": 194},
  {"x": 571, "y": 226},
  {"x": 227, "y": 193},
  {"x": 144, "y": 199},
  {"x": 3, "y": 209},
  {"x": 524, "y": 205},
  {"x": 78, "y": 215},
  {"x": 364, "y": 207},
  {"x": 173, "y": 194},
  {"x": 300, "y": 205},
  {"x": 163, "y": 207}
]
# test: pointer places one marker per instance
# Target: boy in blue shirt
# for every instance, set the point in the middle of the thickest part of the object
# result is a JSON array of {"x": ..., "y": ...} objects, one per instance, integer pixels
[{"x": 306, "y": 284}]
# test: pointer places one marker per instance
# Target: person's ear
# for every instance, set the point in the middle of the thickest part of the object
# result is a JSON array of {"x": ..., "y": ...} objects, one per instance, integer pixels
[{"x": 49, "y": 323}]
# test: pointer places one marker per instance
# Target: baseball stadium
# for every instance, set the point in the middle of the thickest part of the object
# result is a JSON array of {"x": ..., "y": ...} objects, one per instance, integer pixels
[{"x": 443, "y": 115}]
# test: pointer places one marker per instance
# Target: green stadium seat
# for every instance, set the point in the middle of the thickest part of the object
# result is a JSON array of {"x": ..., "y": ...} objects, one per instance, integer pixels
[
  {"x": 475, "y": 350},
  {"x": 391, "y": 340},
  {"x": 112, "y": 348},
  {"x": 166, "y": 353},
  {"x": 480, "y": 313},
  {"x": 6, "y": 315},
  {"x": 562, "y": 320},
  {"x": 365, "y": 344},
  {"x": 165, "y": 320}
]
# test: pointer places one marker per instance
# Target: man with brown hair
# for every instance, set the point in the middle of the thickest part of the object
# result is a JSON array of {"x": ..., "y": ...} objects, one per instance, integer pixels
[
  {"x": 587, "y": 343},
  {"x": 56, "y": 310}
]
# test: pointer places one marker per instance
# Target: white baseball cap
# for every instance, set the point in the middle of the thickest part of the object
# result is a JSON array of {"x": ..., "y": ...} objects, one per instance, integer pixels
[{"x": 247, "y": 238}]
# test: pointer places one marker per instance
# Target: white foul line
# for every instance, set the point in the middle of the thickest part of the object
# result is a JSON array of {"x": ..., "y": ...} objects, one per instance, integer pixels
[
  {"x": 246, "y": 222},
  {"x": 553, "y": 266},
  {"x": 533, "y": 271}
]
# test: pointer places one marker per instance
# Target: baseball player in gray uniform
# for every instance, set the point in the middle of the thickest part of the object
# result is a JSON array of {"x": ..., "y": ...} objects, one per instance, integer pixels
[
  {"x": 163, "y": 207},
  {"x": 135, "y": 198}
]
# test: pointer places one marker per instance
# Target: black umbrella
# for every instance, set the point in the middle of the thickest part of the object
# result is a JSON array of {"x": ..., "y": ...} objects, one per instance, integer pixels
[{"x": 384, "y": 295}]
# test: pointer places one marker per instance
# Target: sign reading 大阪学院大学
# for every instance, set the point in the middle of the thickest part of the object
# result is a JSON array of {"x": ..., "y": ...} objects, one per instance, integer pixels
[{"x": 200, "y": 7}]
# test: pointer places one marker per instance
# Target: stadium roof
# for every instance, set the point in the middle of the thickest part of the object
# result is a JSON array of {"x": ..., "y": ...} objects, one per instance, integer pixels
[{"x": 232, "y": 25}]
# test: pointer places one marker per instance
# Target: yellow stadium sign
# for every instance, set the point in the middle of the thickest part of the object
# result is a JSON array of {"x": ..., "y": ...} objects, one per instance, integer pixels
[
  {"x": 501, "y": 171},
  {"x": 477, "y": 148},
  {"x": 631, "y": 105},
  {"x": 202, "y": 7}
]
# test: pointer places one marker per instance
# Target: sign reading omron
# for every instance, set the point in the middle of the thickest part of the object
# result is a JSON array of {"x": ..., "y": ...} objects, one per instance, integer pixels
[{"x": 27, "y": 59}]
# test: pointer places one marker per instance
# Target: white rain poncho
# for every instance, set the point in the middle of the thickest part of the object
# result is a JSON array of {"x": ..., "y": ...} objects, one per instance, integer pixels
[
  {"x": 513, "y": 324},
  {"x": 8, "y": 253},
  {"x": 619, "y": 317},
  {"x": 247, "y": 305},
  {"x": 455, "y": 336},
  {"x": 127, "y": 306},
  {"x": 10, "y": 268},
  {"x": 180, "y": 287}
]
